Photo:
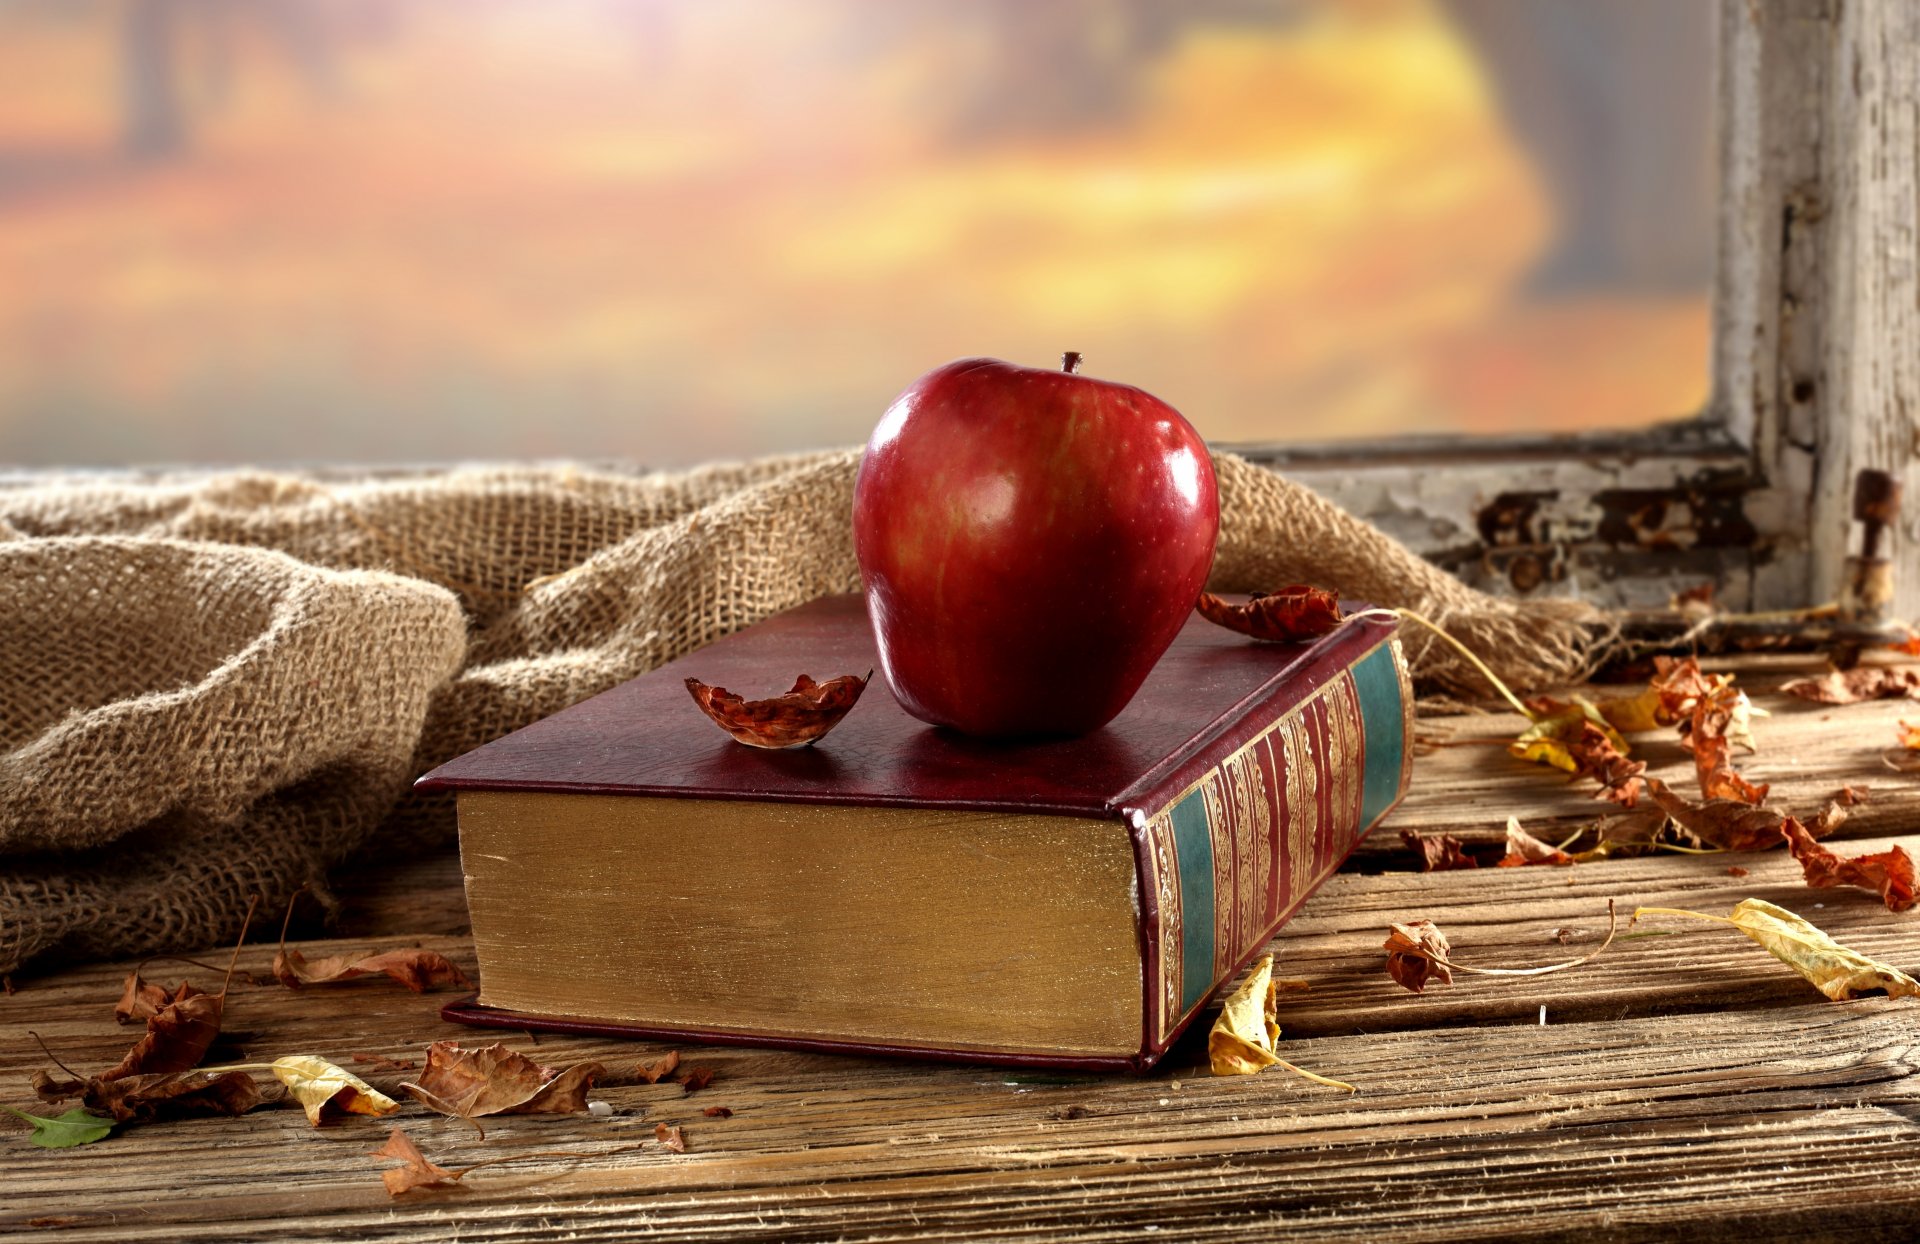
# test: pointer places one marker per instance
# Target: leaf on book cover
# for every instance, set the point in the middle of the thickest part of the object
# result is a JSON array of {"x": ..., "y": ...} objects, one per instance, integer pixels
[
  {"x": 1887, "y": 873},
  {"x": 318, "y": 1084},
  {"x": 1862, "y": 682},
  {"x": 1831, "y": 968},
  {"x": 671, "y": 1137},
  {"x": 1417, "y": 951},
  {"x": 656, "y": 1072},
  {"x": 1290, "y": 615},
  {"x": 493, "y": 1079},
  {"x": 418, "y": 970},
  {"x": 695, "y": 1078},
  {"x": 1245, "y": 1036},
  {"x": 1523, "y": 849},
  {"x": 795, "y": 719},
  {"x": 1438, "y": 852},
  {"x": 75, "y": 1127}
]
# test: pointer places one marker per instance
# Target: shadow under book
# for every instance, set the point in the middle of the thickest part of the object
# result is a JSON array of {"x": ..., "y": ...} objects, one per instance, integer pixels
[{"x": 901, "y": 889}]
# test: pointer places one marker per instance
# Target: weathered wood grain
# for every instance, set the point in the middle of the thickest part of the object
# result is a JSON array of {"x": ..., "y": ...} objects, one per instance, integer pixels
[{"x": 1684, "y": 1082}]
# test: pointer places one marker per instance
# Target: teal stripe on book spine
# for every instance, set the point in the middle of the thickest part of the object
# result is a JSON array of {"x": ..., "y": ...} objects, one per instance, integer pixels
[
  {"x": 1377, "y": 678},
  {"x": 1193, "y": 845}
]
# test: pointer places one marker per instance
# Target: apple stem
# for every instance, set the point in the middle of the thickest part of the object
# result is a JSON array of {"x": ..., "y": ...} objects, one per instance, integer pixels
[{"x": 1070, "y": 361}]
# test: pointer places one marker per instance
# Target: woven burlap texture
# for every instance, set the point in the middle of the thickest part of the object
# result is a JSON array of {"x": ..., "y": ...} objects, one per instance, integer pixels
[{"x": 217, "y": 686}]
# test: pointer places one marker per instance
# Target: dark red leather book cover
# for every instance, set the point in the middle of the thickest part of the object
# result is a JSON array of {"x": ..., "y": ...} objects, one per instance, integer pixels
[
  {"x": 647, "y": 737},
  {"x": 1245, "y": 773}
]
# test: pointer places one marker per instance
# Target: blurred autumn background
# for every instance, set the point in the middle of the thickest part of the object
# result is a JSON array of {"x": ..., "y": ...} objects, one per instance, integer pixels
[{"x": 664, "y": 231}]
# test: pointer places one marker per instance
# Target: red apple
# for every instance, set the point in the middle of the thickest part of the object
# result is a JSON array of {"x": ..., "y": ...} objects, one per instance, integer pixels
[{"x": 1030, "y": 542}]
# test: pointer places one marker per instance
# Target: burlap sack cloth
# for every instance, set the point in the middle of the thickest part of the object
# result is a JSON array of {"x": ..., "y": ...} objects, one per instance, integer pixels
[{"x": 217, "y": 686}]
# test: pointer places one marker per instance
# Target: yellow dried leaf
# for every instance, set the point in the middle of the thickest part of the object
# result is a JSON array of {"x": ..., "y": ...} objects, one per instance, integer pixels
[
  {"x": 1834, "y": 970},
  {"x": 1243, "y": 1038},
  {"x": 1635, "y": 714},
  {"x": 315, "y": 1082},
  {"x": 1546, "y": 740},
  {"x": 1246, "y": 1034}
]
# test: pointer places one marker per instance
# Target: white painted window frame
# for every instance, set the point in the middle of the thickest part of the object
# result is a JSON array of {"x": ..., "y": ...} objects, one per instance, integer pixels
[{"x": 1816, "y": 360}]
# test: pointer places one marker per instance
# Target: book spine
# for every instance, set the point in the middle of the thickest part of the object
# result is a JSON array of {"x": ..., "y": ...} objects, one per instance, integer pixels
[{"x": 1231, "y": 845}]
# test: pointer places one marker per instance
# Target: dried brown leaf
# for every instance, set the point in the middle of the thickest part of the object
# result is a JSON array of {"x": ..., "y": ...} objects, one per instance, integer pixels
[
  {"x": 1887, "y": 873},
  {"x": 1416, "y": 951},
  {"x": 795, "y": 719},
  {"x": 695, "y": 1079},
  {"x": 156, "y": 1096},
  {"x": 659, "y": 1071},
  {"x": 671, "y": 1137},
  {"x": 717, "y": 1112},
  {"x": 1291, "y": 615},
  {"x": 416, "y": 1171},
  {"x": 1438, "y": 852},
  {"x": 493, "y": 1079},
  {"x": 418, "y": 970},
  {"x": 1723, "y": 824},
  {"x": 1523, "y": 848},
  {"x": 139, "y": 1000},
  {"x": 1862, "y": 682},
  {"x": 178, "y": 1035}
]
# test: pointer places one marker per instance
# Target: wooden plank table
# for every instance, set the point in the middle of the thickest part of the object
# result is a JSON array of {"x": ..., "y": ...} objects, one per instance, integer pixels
[{"x": 1683, "y": 1083}]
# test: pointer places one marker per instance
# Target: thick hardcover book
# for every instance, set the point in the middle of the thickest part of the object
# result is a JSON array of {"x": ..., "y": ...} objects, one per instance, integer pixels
[{"x": 897, "y": 888}]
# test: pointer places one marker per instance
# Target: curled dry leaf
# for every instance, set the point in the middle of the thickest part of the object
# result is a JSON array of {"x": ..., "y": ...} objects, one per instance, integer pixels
[
  {"x": 1887, "y": 873},
  {"x": 1291, "y": 615},
  {"x": 795, "y": 719},
  {"x": 1438, "y": 852},
  {"x": 1831, "y": 968},
  {"x": 656, "y": 1072},
  {"x": 1713, "y": 716},
  {"x": 1417, "y": 951},
  {"x": 695, "y": 1079},
  {"x": 155, "y": 1096},
  {"x": 178, "y": 1035},
  {"x": 1576, "y": 737},
  {"x": 1245, "y": 1036},
  {"x": 415, "y": 1171},
  {"x": 318, "y": 1084},
  {"x": 493, "y": 1079},
  {"x": 1523, "y": 848},
  {"x": 1862, "y": 682},
  {"x": 671, "y": 1137},
  {"x": 718, "y": 1112},
  {"x": 1720, "y": 824},
  {"x": 418, "y": 970},
  {"x": 140, "y": 999}
]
